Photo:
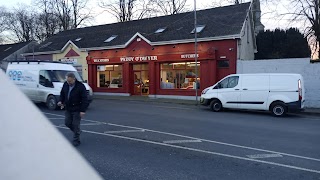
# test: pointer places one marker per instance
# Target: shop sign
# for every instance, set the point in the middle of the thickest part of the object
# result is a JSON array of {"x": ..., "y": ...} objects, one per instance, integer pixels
[
  {"x": 139, "y": 58},
  {"x": 188, "y": 56},
  {"x": 101, "y": 60},
  {"x": 69, "y": 61}
]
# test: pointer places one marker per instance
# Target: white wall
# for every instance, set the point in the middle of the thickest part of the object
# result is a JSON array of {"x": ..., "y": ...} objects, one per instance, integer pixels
[{"x": 309, "y": 71}]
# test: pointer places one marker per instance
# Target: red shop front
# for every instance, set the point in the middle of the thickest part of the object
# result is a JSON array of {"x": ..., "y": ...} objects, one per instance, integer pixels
[{"x": 162, "y": 70}]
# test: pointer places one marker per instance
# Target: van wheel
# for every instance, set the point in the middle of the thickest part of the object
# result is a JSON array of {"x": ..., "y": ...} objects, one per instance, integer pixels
[
  {"x": 278, "y": 109},
  {"x": 216, "y": 106},
  {"x": 52, "y": 103}
]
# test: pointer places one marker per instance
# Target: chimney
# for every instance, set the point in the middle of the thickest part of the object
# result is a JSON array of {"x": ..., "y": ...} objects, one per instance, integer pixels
[{"x": 256, "y": 12}]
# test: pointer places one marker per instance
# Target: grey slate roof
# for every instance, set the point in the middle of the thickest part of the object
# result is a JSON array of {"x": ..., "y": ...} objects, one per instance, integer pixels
[
  {"x": 221, "y": 21},
  {"x": 8, "y": 49}
]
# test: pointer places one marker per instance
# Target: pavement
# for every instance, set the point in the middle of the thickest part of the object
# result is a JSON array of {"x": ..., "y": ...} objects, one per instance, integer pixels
[{"x": 307, "y": 111}]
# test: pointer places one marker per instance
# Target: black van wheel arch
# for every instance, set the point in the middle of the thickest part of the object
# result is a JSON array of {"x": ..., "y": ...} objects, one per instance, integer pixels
[
  {"x": 52, "y": 102},
  {"x": 216, "y": 105},
  {"x": 278, "y": 109}
]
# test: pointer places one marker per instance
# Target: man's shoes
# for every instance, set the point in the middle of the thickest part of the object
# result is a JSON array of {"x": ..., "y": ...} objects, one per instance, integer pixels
[{"x": 76, "y": 143}]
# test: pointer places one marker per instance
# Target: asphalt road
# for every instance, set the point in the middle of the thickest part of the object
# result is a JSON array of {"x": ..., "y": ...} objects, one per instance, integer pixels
[{"x": 145, "y": 140}]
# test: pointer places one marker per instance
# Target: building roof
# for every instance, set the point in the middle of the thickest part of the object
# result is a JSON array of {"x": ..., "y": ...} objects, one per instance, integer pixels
[
  {"x": 8, "y": 49},
  {"x": 218, "y": 22}
]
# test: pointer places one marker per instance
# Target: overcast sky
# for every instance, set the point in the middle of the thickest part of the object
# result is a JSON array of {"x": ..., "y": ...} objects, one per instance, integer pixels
[{"x": 268, "y": 16}]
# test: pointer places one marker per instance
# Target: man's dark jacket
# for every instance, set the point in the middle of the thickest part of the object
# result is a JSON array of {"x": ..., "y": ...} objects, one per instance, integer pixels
[{"x": 78, "y": 100}]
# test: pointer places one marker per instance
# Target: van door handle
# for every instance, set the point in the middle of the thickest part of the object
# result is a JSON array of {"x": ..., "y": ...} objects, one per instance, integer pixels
[
  {"x": 245, "y": 89},
  {"x": 237, "y": 89}
]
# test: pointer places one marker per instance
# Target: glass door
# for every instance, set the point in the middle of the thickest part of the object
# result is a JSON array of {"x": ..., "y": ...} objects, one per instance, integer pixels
[
  {"x": 141, "y": 79},
  {"x": 137, "y": 83}
]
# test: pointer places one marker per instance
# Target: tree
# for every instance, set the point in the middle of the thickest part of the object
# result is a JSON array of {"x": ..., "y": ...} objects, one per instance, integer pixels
[
  {"x": 68, "y": 14},
  {"x": 47, "y": 23},
  {"x": 304, "y": 14},
  {"x": 127, "y": 10},
  {"x": 169, "y": 7},
  {"x": 3, "y": 24},
  {"x": 308, "y": 11},
  {"x": 282, "y": 44},
  {"x": 21, "y": 23}
]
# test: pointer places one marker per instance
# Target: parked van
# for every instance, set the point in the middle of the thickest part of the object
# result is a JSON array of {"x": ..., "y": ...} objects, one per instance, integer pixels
[
  {"x": 277, "y": 93},
  {"x": 42, "y": 81}
]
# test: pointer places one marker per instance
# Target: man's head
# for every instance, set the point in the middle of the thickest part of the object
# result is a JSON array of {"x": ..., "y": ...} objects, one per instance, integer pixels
[{"x": 71, "y": 79}]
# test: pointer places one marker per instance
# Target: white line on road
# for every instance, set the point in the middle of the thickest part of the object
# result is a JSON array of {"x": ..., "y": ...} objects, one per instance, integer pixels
[
  {"x": 180, "y": 141},
  {"x": 123, "y": 131},
  {"x": 203, "y": 151},
  {"x": 205, "y": 140},
  {"x": 90, "y": 124},
  {"x": 81, "y": 119},
  {"x": 261, "y": 156},
  {"x": 221, "y": 143}
]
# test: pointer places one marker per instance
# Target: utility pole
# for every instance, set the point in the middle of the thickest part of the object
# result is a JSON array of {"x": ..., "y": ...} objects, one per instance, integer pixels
[{"x": 195, "y": 49}]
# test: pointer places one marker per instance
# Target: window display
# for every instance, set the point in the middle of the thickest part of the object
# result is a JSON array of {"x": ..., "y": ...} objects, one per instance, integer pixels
[
  {"x": 109, "y": 76},
  {"x": 180, "y": 75}
]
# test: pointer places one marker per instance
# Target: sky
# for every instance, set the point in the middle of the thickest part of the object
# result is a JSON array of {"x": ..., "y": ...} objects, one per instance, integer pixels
[{"x": 268, "y": 16}]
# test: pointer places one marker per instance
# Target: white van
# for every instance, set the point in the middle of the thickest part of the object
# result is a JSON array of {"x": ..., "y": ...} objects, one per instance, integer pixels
[
  {"x": 42, "y": 81},
  {"x": 278, "y": 93}
]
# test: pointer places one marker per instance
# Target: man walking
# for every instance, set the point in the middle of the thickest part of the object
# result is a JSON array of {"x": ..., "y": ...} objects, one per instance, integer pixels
[{"x": 73, "y": 97}]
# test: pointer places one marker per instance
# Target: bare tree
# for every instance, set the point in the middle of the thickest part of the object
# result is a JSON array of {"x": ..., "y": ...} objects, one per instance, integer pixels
[
  {"x": 68, "y": 14},
  {"x": 2, "y": 19},
  {"x": 62, "y": 10},
  {"x": 127, "y": 10},
  {"x": 3, "y": 24},
  {"x": 47, "y": 23},
  {"x": 78, "y": 12},
  {"x": 21, "y": 23},
  {"x": 168, "y": 7},
  {"x": 308, "y": 12}
]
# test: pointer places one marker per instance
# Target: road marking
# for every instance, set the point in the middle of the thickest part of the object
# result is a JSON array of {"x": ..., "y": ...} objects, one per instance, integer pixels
[
  {"x": 261, "y": 156},
  {"x": 56, "y": 118},
  {"x": 81, "y": 119},
  {"x": 221, "y": 143},
  {"x": 180, "y": 141},
  {"x": 210, "y": 141},
  {"x": 123, "y": 131},
  {"x": 90, "y": 124},
  {"x": 203, "y": 151}
]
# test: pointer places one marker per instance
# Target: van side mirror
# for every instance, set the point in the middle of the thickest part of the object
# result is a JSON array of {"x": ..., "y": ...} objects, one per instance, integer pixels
[{"x": 85, "y": 81}]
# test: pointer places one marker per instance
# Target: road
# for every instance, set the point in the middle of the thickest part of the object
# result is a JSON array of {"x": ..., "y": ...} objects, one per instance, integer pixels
[{"x": 148, "y": 140}]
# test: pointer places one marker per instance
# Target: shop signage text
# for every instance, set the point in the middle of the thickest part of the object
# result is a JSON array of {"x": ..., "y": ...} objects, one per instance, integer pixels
[
  {"x": 101, "y": 60},
  {"x": 70, "y": 61},
  {"x": 139, "y": 58},
  {"x": 186, "y": 56}
]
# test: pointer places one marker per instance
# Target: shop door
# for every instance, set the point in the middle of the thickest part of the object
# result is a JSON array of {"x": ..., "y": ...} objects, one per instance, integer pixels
[{"x": 141, "y": 79}]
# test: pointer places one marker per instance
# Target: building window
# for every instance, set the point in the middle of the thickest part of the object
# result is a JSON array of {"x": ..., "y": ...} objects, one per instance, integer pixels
[
  {"x": 179, "y": 75},
  {"x": 223, "y": 64},
  {"x": 109, "y": 76}
]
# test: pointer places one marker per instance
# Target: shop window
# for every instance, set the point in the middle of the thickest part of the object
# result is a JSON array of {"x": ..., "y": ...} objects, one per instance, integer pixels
[
  {"x": 109, "y": 76},
  {"x": 180, "y": 75},
  {"x": 223, "y": 64}
]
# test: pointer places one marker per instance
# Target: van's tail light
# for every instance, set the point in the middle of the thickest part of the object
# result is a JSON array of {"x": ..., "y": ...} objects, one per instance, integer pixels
[{"x": 300, "y": 89}]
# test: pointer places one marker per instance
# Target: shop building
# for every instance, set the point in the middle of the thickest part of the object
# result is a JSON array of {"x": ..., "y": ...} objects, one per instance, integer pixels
[
  {"x": 156, "y": 56},
  {"x": 159, "y": 59}
]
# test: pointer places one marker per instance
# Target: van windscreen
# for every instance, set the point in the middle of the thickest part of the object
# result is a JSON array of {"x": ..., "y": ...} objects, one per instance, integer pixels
[{"x": 60, "y": 75}]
